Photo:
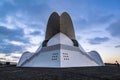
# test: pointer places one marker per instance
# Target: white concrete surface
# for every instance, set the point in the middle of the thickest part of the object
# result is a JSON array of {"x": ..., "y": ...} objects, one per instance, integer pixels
[{"x": 66, "y": 55}]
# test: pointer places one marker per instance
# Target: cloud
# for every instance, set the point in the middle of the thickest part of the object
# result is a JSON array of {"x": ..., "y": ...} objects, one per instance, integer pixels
[
  {"x": 105, "y": 18},
  {"x": 35, "y": 33},
  {"x": 12, "y": 57},
  {"x": 10, "y": 48},
  {"x": 93, "y": 21},
  {"x": 34, "y": 9},
  {"x": 17, "y": 43},
  {"x": 117, "y": 46},
  {"x": 19, "y": 33},
  {"x": 22, "y": 24},
  {"x": 114, "y": 29},
  {"x": 12, "y": 40},
  {"x": 12, "y": 34},
  {"x": 98, "y": 40}
]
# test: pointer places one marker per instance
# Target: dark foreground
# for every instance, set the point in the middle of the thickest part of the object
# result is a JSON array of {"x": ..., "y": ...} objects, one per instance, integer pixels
[{"x": 86, "y": 73}]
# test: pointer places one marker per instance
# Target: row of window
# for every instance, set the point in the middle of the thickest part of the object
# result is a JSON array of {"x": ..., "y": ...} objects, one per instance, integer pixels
[
  {"x": 64, "y": 59},
  {"x": 65, "y": 56},
  {"x": 65, "y": 53},
  {"x": 56, "y": 58}
]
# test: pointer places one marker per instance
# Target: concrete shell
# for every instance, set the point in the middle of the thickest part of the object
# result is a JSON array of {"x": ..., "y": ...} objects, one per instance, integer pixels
[
  {"x": 53, "y": 26},
  {"x": 66, "y": 25},
  {"x": 61, "y": 24},
  {"x": 96, "y": 56}
]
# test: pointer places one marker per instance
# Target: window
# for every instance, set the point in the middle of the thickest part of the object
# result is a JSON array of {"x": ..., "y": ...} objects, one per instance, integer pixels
[
  {"x": 54, "y": 56},
  {"x": 65, "y": 56}
]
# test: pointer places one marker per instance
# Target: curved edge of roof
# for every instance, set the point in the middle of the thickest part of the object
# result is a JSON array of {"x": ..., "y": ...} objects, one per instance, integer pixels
[
  {"x": 24, "y": 53},
  {"x": 52, "y": 25},
  {"x": 96, "y": 53},
  {"x": 65, "y": 22}
]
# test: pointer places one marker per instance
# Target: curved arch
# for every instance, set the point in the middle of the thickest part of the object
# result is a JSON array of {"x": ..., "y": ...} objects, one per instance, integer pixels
[
  {"x": 53, "y": 26},
  {"x": 66, "y": 25},
  {"x": 95, "y": 55},
  {"x": 26, "y": 55},
  {"x": 58, "y": 24}
]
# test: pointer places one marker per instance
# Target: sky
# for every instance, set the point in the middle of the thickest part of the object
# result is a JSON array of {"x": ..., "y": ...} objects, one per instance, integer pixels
[{"x": 96, "y": 23}]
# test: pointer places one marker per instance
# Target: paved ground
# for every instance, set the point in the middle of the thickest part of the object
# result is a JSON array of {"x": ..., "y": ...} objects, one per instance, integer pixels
[{"x": 86, "y": 73}]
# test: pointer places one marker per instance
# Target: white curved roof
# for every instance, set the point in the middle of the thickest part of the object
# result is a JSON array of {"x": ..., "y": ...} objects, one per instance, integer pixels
[
  {"x": 60, "y": 38},
  {"x": 96, "y": 56},
  {"x": 24, "y": 57}
]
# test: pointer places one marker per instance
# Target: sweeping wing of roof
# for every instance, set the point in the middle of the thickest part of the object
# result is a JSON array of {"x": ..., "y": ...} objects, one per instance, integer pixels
[
  {"x": 53, "y": 26},
  {"x": 66, "y": 25},
  {"x": 61, "y": 24}
]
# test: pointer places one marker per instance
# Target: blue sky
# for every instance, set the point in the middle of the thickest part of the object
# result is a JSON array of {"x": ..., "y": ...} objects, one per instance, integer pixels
[{"x": 96, "y": 23}]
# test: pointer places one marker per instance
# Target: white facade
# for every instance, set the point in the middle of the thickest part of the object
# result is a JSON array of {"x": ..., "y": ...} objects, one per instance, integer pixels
[
  {"x": 60, "y": 52},
  {"x": 60, "y": 38}
]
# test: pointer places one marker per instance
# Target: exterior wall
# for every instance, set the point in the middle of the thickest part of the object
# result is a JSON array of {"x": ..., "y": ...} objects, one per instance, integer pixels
[
  {"x": 62, "y": 56},
  {"x": 75, "y": 59},
  {"x": 45, "y": 59},
  {"x": 60, "y": 52},
  {"x": 60, "y": 38}
]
